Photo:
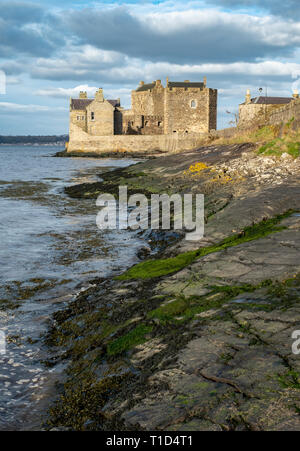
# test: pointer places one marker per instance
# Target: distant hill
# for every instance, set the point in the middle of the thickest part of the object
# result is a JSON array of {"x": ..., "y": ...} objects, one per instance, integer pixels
[{"x": 26, "y": 140}]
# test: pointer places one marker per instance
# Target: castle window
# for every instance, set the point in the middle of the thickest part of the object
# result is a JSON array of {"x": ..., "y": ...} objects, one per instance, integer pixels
[
  {"x": 159, "y": 124},
  {"x": 78, "y": 118},
  {"x": 174, "y": 131},
  {"x": 146, "y": 123},
  {"x": 92, "y": 116},
  {"x": 193, "y": 104}
]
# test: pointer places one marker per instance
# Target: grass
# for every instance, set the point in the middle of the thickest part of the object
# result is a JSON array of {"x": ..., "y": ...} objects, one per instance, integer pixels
[
  {"x": 279, "y": 146},
  {"x": 274, "y": 139},
  {"x": 262, "y": 134},
  {"x": 273, "y": 145},
  {"x": 161, "y": 267},
  {"x": 129, "y": 340}
]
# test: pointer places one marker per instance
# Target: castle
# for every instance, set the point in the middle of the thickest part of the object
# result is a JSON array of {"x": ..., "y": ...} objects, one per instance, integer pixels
[{"x": 170, "y": 118}]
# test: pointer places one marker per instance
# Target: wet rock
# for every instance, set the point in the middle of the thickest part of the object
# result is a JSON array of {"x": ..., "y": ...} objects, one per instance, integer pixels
[{"x": 209, "y": 346}]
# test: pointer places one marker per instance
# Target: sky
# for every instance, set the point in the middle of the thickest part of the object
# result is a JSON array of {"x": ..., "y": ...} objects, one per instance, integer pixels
[{"x": 51, "y": 50}]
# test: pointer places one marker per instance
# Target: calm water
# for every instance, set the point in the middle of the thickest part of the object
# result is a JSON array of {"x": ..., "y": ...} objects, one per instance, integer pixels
[{"x": 50, "y": 250}]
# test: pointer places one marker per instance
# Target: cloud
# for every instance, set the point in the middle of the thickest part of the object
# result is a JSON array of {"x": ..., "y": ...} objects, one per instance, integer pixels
[
  {"x": 13, "y": 80},
  {"x": 21, "y": 12},
  {"x": 9, "y": 107},
  {"x": 77, "y": 63},
  {"x": 288, "y": 8},
  {"x": 56, "y": 49},
  {"x": 67, "y": 92},
  {"x": 27, "y": 29},
  {"x": 185, "y": 36},
  {"x": 13, "y": 67}
]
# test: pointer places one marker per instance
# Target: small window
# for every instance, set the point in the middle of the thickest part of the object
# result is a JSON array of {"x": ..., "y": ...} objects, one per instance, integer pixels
[
  {"x": 146, "y": 123},
  {"x": 78, "y": 118},
  {"x": 174, "y": 131},
  {"x": 159, "y": 124},
  {"x": 186, "y": 132},
  {"x": 82, "y": 118},
  {"x": 193, "y": 104},
  {"x": 92, "y": 116}
]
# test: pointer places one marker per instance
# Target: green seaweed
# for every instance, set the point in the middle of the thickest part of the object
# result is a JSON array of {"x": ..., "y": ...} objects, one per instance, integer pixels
[
  {"x": 161, "y": 267},
  {"x": 129, "y": 340},
  {"x": 291, "y": 379}
]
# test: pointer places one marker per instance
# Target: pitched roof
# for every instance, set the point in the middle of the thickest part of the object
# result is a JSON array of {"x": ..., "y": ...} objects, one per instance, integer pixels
[
  {"x": 184, "y": 84},
  {"x": 263, "y": 100},
  {"x": 82, "y": 104},
  {"x": 145, "y": 87},
  {"x": 114, "y": 103}
]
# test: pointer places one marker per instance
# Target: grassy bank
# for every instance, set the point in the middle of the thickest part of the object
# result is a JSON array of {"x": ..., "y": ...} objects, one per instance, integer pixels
[{"x": 271, "y": 140}]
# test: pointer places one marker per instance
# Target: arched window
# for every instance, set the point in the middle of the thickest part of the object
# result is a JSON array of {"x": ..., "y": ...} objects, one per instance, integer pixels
[{"x": 193, "y": 104}]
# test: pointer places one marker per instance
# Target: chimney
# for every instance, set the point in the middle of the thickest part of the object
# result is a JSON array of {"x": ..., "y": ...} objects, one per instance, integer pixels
[
  {"x": 296, "y": 94},
  {"x": 167, "y": 81},
  {"x": 205, "y": 81},
  {"x": 99, "y": 95},
  {"x": 142, "y": 83},
  {"x": 248, "y": 97},
  {"x": 158, "y": 83},
  {"x": 83, "y": 95}
]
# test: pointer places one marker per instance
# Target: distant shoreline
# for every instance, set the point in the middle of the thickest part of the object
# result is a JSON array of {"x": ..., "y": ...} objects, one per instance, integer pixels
[
  {"x": 54, "y": 144},
  {"x": 34, "y": 140}
]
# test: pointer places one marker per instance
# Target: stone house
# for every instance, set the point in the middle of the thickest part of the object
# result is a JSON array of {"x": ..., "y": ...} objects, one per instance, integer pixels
[
  {"x": 257, "y": 110},
  {"x": 180, "y": 108}
]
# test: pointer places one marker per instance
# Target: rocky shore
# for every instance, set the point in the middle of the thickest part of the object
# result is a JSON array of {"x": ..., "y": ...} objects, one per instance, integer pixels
[{"x": 198, "y": 336}]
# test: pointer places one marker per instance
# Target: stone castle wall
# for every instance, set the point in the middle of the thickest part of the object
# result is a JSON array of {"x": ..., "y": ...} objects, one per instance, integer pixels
[
  {"x": 254, "y": 114},
  {"x": 149, "y": 103},
  {"x": 259, "y": 114},
  {"x": 213, "y": 108},
  {"x": 189, "y": 110},
  {"x": 83, "y": 142},
  {"x": 286, "y": 113},
  {"x": 104, "y": 125},
  {"x": 78, "y": 117}
]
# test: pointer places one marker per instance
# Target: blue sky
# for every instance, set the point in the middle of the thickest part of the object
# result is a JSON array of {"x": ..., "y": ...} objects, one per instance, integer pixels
[{"x": 50, "y": 50}]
